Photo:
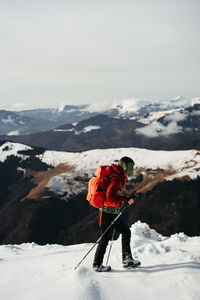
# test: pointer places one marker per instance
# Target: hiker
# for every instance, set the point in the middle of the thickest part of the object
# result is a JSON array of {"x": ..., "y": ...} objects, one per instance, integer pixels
[{"x": 111, "y": 207}]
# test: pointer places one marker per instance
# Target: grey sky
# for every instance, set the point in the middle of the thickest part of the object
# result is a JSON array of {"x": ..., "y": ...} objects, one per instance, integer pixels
[{"x": 85, "y": 51}]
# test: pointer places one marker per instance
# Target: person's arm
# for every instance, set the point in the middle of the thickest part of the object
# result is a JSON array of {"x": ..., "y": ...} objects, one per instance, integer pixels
[{"x": 114, "y": 190}]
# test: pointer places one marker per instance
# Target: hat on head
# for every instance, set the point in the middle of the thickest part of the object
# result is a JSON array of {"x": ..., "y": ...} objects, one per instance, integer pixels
[{"x": 127, "y": 165}]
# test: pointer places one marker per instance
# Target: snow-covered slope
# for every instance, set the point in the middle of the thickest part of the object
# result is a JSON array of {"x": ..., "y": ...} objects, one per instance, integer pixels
[
  {"x": 130, "y": 106},
  {"x": 8, "y": 148},
  {"x": 15, "y": 123},
  {"x": 171, "y": 164},
  {"x": 170, "y": 270},
  {"x": 87, "y": 162},
  {"x": 174, "y": 164},
  {"x": 167, "y": 123},
  {"x": 153, "y": 116}
]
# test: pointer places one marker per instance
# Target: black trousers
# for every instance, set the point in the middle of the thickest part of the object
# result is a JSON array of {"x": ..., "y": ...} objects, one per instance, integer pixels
[{"x": 122, "y": 228}]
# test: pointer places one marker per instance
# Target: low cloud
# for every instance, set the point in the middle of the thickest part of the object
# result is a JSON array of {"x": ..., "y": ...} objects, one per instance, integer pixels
[
  {"x": 157, "y": 129},
  {"x": 127, "y": 106},
  {"x": 98, "y": 107},
  {"x": 13, "y": 107},
  {"x": 195, "y": 113},
  {"x": 124, "y": 106},
  {"x": 177, "y": 116},
  {"x": 195, "y": 101}
]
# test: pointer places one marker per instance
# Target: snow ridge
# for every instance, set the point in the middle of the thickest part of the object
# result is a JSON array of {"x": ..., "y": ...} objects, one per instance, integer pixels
[{"x": 170, "y": 268}]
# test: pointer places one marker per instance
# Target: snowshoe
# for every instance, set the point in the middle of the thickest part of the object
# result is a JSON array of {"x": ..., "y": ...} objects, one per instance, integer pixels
[
  {"x": 102, "y": 268},
  {"x": 130, "y": 262}
]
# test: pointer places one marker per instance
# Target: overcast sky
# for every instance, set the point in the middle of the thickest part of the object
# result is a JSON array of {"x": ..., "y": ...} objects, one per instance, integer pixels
[{"x": 78, "y": 51}]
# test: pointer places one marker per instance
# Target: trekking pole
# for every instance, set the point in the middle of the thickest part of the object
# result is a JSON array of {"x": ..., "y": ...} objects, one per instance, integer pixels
[
  {"x": 112, "y": 223},
  {"x": 111, "y": 243}
]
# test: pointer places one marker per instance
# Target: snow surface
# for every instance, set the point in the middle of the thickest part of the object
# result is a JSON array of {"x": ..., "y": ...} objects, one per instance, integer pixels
[
  {"x": 65, "y": 185},
  {"x": 86, "y": 162},
  {"x": 63, "y": 130},
  {"x": 170, "y": 265},
  {"x": 9, "y": 148},
  {"x": 9, "y": 120},
  {"x": 84, "y": 130},
  {"x": 90, "y": 128},
  {"x": 87, "y": 129},
  {"x": 170, "y": 269},
  {"x": 176, "y": 163},
  {"x": 15, "y": 132},
  {"x": 129, "y": 106},
  {"x": 154, "y": 116}
]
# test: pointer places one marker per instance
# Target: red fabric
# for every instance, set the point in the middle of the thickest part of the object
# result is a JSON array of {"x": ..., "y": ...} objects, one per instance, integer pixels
[{"x": 116, "y": 185}]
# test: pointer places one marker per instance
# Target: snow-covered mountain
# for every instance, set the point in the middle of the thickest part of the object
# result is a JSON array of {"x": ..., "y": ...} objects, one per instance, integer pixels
[
  {"x": 29, "y": 121},
  {"x": 162, "y": 130},
  {"x": 170, "y": 269},
  {"x": 171, "y": 122},
  {"x": 171, "y": 164},
  {"x": 175, "y": 163},
  {"x": 43, "y": 193},
  {"x": 15, "y": 123}
]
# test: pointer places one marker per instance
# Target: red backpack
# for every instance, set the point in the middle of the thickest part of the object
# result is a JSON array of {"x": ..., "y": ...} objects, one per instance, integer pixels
[{"x": 97, "y": 186}]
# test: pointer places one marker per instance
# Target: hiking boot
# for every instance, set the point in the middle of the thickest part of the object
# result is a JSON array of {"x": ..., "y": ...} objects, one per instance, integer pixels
[
  {"x": 130, "y": 262},
  {"x": 101, "y": 268}
]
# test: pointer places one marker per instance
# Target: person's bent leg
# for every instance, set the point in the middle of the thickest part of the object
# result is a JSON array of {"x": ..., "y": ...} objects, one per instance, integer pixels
[
  {"x": 126, "y": 237},
  {"x": 101, "y": 248}
]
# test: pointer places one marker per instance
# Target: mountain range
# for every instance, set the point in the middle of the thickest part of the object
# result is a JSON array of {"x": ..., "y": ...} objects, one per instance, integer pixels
[
  {"x": 44, "y": 172},
  {"x": 43, "y": 193},
  {"x": 30, "y": 121},
  {"x": 162, "y": 130}
]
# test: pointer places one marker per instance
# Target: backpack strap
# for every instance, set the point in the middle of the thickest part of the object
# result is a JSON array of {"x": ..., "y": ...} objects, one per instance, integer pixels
[{"x": 101, "y": 209}]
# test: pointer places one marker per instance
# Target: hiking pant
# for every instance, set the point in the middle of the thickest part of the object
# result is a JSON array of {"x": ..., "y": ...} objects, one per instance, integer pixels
[{"x": 120, "y": 226}]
